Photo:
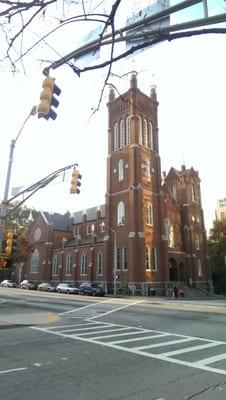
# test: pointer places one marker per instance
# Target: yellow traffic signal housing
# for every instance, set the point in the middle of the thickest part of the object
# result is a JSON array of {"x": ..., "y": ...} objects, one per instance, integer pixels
[
  {"x": 9, "y": 242},
  {"x": 75, "y": 181},
  {"x": 44, "y": 109}
]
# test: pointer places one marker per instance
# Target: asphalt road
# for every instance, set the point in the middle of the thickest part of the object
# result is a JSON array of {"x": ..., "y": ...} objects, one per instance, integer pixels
[{"x": 57, "y": 347}]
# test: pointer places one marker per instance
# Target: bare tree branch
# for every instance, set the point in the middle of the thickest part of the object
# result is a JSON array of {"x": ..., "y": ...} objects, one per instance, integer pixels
[{"x": 17, "y": 18}]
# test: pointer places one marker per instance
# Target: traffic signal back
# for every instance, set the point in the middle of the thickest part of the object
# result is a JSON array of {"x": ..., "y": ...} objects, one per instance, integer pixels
[
  {"x": 48, "y": 100},
  {"x": 75, "y": 181}
]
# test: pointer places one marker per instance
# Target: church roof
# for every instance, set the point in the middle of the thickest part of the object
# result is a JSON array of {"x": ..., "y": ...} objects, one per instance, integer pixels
[
  {"x": 59, "y": 221},
  {"x": 90, "y": 214}
]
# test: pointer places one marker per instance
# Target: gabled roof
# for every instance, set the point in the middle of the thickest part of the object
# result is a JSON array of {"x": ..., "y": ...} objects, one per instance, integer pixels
[
  {"x": 59, "y": 221},
  {"x": 83, "y": 241},
  {"x": 173, "y": 172},
  {"x": 91, "y": 214}
]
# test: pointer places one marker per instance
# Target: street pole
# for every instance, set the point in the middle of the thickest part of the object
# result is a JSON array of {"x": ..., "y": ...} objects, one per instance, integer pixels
[
  {"x": 115, "y": 262},
  {"x": 8, "y": 176},
  {"x": 12, "y": 147}
]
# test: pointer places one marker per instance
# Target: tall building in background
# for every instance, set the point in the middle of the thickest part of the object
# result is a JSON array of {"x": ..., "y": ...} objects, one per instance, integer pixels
[
  {"x": 150, "y": 232},
  {"x": 221, "y": 210}
]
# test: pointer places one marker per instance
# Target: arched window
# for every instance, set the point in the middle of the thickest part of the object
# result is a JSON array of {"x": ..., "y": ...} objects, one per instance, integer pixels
[
  {"x": 140, "y": 133},
  {"x": 122, "y": 133},
  {"x": 125, "y": 258},
  {"x": 55, "y": 269},
  {"x": 146, "y": 133},
  {"x": 128, "y": 130},
  {"x": 120, "y": 170},
  {"x": 84, "y": 264},
  {"x": 171, "y": 236},
  {"x": 199, "y": 266},
  {"x": 116, "y": 143},
  {"x": 69, "y": 265},
  {"x": 174, "y": 192},
  {"x": 150, "y": 135},
  {"x": 100, "y": 263},
  {"x": 192, "y": 192},
  {"x": 149, "y": 214},
  {"x": 197, "y": 242},
  {"x": 153, "y": 259},
  {"x": 148, "y": 170},
  {"x": 147, "y": 258},
  {"x": 35, "y": 262},
  {"x": 118, "y": 259},
  {"x": 121, "y": 213}
]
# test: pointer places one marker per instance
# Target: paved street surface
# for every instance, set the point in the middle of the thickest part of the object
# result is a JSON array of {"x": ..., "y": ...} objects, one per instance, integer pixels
[{"x": 55, "y": 346}]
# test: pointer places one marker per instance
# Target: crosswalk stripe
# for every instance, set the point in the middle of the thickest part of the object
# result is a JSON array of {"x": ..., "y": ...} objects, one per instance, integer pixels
[
  {"x": 67, "y": 326},
  {"x": 118, "y": 309},
  {"x": 211, "y": 360},
  {"x": 144, "y": 338},
  {"x": 119, "y": 334},
  {"x": 152, "y": 346},
  {"x": 85, "y": 329},
  {"x": 82, "y": 308},
  {"x": 189, "y": 349},
  {"x": 109, "y": 331}
]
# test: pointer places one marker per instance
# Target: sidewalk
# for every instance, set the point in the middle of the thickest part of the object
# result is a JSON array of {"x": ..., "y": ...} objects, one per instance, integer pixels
[{"x": 207, "y": 304}]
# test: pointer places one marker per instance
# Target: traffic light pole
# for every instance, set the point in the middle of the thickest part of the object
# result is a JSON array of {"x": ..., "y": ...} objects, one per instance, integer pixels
[{"x": 8, "y": 176}]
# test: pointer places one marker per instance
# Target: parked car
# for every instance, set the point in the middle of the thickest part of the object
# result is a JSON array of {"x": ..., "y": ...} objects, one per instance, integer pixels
[
  {"x": 91, "y": 289},
  {"x": 69, "y": 288},
  {"x": 47, "y": 287},
  {"x": 25, "y": 284},
  {"x": 8, "y": 283}
]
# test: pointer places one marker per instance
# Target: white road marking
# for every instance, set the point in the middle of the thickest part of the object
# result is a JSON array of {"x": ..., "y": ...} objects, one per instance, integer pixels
[
  {"x": 117, "y": 309},
  {"x": 189, "y": 349},
  {"x": 140, "y": 350},
  {"x": 86, "y": 329},
  {"x": 119, "y": 334},
  {"x": 144, "y": 338},
  {"x": 152, "y": 346},
  {"x": 109, "y": 331},
  {"x": 67, "y": 326},
  {"x": 211, "y": 360},
  {"x": 82, "y": 308},
  {"x": 12, "y": 370}
]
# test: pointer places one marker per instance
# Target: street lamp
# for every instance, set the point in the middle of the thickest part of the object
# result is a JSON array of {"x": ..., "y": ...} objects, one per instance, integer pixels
[
  {"x": 12, "y": 147},
  {"x": 8, "y": 176},
  {"x": 115, "y": 256}
]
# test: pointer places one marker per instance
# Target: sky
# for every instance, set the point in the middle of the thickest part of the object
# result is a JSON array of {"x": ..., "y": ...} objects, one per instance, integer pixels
[{"x": 191, "y": 86}]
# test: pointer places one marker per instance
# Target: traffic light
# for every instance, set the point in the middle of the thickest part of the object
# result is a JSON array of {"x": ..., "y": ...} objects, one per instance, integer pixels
[
  {"x": 14, "y": 247},
  {"x": 75, "y": 181},
  {"x": 44, "y": 109},
  {"x": 4, "y": 262},
  {"x": 9, "y": 243}
]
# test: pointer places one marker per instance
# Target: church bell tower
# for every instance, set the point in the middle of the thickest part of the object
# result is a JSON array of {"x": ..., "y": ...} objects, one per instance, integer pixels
[{"x": 133, "y": 198}]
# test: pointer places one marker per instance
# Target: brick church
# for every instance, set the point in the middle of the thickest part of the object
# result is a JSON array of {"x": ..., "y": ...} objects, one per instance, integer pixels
[{"x": 149, "y": 233}]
